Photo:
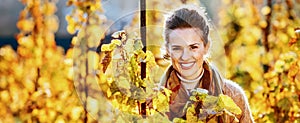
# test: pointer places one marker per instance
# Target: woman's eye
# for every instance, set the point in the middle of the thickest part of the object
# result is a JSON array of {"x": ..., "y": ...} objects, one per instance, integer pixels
[
  {"x": 175, "y": 48},
  {"x": 194, "y": 47}
]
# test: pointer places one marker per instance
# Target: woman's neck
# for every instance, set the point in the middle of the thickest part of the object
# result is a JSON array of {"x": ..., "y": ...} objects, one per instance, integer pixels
[{"x": 190, "y": 80}]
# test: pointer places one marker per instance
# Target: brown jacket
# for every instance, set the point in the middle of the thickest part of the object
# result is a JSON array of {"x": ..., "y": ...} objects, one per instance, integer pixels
[{"x": 211, "y": 81}]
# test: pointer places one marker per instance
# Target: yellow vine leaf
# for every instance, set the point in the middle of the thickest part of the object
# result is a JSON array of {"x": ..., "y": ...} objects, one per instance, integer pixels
[
  {"x": 191, "y": 116},
  {"x": 123, "y": 82},
  {"x": 294, "y": 69},
  {"x": 25, "y": 25},
  {"x": 51, "y": 22},
  {"x": 179, "y": 120},
  {"x": 76, "y": 112},
  {"x": 116, "y": 42},
  {"x": 225, "y": 102},
  {"x": 160, "y": 102},
  {"x": 265, "y": 10}
]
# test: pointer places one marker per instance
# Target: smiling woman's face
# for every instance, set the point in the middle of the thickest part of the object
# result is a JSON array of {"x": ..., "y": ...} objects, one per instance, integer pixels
[{"x": 186, "y": 49}]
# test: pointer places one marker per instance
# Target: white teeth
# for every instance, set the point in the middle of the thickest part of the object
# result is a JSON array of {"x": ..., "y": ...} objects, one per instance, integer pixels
[{"x": 187, "y": 65}]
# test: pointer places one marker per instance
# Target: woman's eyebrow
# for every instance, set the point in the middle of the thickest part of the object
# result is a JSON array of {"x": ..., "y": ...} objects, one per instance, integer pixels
[
  {"x": 175, "y": 45},
  {"x": 194, "y": 44}
]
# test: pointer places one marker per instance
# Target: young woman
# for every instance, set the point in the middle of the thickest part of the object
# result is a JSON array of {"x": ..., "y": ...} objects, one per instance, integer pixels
[{"x": 186, "y": 35}]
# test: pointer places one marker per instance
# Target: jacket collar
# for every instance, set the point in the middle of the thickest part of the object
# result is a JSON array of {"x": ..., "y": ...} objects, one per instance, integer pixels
[{"x": 171, "y": 81}]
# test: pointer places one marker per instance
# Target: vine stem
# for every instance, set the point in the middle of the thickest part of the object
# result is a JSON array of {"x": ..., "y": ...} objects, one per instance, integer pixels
[{"x": 266, "y": 30}]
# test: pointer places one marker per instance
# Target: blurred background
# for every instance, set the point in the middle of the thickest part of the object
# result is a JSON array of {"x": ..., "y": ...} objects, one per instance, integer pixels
[
  {"x": 10, "y": 10},
  {"x": 114, "y": 10},
  {"x": 255, "y": 43}
]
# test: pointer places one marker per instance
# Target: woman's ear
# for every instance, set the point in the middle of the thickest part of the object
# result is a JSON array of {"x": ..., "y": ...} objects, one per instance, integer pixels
[
  {"x": 167, "y": 53},
  {"x": 167, "y": 48}
]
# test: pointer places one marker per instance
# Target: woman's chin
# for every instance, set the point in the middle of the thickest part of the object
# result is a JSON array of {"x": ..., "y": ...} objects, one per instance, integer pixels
[{"x": 186, "y": 74}]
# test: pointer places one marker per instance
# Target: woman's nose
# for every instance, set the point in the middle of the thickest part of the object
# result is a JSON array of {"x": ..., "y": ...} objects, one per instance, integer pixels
[{"x": 186, "y": 54}]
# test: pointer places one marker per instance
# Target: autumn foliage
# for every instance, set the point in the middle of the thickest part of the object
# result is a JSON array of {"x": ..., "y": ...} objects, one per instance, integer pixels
[
  {"x": 39, "y": 82},
  {"x": 262, "y": 49}
]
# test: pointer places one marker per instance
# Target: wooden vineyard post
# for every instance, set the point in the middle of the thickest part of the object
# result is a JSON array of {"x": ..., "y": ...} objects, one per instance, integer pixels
[{"x": 143, "y": 38}]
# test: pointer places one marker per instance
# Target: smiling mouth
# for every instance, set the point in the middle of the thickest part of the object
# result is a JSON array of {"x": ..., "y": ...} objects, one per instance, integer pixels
[{"x": 186, "y": 66}]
